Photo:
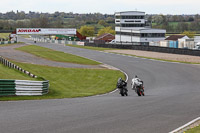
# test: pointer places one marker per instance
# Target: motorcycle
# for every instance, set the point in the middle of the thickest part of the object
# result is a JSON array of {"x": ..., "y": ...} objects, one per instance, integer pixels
[
  {"x": 122, "y": 86},
  {"x": 138, "y": 87}
]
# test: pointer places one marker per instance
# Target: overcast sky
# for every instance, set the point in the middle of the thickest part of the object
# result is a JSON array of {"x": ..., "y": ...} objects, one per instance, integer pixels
[{"x": 103, "y": 6}]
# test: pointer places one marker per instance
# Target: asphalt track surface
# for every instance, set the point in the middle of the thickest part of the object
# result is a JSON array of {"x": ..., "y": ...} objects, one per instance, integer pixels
[{"x": 172, "y": 99}]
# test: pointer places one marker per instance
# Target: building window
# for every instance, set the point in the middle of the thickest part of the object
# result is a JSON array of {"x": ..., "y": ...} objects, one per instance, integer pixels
[
  {"x": 143, "y": 35},
  {"x": 132, "y": 17},
  {"x": 152, "y": 35},
  {"x": 128, "y": 33},
  {"x": 132, "y": 25},
  {"x": 129, "y": 21},
  {"x": 118, "y": 25}
]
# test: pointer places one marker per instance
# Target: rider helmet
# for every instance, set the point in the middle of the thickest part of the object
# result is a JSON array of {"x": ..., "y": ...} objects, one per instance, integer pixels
[{"x": 120, "y": 79}]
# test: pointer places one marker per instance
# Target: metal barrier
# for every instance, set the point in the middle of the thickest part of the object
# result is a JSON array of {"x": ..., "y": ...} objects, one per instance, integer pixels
[
  {"x": 40, "y": 39},
  {"x": 21, "y": 87},
  {"x": 148, "y": 48}
]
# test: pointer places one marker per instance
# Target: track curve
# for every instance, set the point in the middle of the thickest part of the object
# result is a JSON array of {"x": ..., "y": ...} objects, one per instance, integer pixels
[{"x": 172, "y": 99}]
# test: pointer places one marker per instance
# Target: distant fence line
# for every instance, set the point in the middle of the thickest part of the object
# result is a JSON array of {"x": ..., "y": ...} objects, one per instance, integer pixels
[
  {"x": 40, "y": 39},
  {"x": 7, "y": 42},
  {"x": 148, "y": 48},
  {"x": 21, "y": 87}
]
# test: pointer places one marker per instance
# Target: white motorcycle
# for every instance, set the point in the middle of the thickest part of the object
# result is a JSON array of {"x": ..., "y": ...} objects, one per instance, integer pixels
[{"x": 137, "y": 85}]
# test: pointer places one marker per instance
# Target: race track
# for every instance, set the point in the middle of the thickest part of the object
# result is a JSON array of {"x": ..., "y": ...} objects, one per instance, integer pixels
[{"x": 172, "y": 99}]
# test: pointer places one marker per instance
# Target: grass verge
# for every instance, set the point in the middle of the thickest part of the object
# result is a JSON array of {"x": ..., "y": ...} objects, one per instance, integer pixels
[
  {"x": 56, "y": 55},
  {"x": 9, "y": 73},
  {"x": 194, "y": 130},
  {"x": 71, "y": 82},
  {"x": 4, "y": 35},
  {"x": 25, "y": 36},
  {"x": 91, "y": 48},
  {"x": 4, "y": 45},
  {"x": 158, "y": 59}
]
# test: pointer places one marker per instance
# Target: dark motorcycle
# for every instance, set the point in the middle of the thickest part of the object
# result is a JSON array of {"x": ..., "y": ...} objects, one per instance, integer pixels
[
  {"x": 122, "y": 86},
  {"x": 139, "y": 89}
]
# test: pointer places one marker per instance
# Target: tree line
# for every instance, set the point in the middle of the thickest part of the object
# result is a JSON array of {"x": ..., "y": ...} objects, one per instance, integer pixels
[
  {"x": 97, "y": 21},
  {"x": 176, "y": 23}
]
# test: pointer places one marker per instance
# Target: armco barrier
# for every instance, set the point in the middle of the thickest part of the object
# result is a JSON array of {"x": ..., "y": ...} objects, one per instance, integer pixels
[
  {"x": 148, "y": 48},
  {"x": 21, "y": 87}
]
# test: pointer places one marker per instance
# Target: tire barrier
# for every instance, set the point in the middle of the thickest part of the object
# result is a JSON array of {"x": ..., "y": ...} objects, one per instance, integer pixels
[
  {"x": 8, "y": 42},
  {"x": 23, "y": 87}
]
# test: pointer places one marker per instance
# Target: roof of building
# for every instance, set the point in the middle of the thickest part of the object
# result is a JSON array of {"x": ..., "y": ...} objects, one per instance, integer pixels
[
  {"x": 130, "y": 11},
  {"x": 103, "y": 35},
  {"x": 175, "y": 37}
]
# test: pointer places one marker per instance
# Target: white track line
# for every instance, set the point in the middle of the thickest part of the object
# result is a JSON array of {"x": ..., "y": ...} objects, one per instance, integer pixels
[{"x": 186, "y": 125}]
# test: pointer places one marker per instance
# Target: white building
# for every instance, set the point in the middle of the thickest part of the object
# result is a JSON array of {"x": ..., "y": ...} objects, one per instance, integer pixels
[{"x": 131, "y": 27}]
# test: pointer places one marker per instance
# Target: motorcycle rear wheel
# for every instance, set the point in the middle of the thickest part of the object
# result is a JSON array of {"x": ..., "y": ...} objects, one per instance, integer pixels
[
  {"x": 122, "y": 92},
  {"x": 138, "y": 92}
]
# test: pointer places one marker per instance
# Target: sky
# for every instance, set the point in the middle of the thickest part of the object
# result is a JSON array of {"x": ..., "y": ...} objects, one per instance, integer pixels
[{"x": 103, "y": 6}]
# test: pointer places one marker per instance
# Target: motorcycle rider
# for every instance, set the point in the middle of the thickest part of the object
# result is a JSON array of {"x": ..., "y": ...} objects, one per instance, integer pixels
[
  {"x": 122, "y": 86},
  {"x": 134, "y": 81},
  {"x": 121, "y": 83}
]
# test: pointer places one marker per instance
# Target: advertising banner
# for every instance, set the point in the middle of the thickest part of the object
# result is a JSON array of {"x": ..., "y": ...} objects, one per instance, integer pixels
[{"x": 46, "y": 31}]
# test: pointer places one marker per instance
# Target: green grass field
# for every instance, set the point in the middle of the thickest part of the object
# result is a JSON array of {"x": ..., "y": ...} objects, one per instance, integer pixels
[
  {"x": 4, "y": 45},
  {"x": 194, "y": 130},
  {"x": 91, "y": 48},
  {"x": 56, "y": 55},
  {"x": 25, "y": 36},
  {"x": 8, "y": 73},
  {"x": 4, "y": 35},
  {"x": 69, "y": 82},
  {"x": 64, "y": 82}
]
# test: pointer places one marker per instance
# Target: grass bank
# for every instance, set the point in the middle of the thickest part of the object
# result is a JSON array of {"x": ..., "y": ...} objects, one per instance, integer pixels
[
  {"x": 56, "y": 55},
  {"x": 71, "y": 82},
  {"x": 4, "y": 45},
  {"x": 9, "y": 73},
  {"x": 4, "y": 35}
]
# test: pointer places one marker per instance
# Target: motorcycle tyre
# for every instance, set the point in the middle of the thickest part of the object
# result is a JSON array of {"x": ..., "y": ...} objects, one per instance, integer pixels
[
  {"x": 142, "y": 92},
  {"x": 122, "y": 93},
  {"x": 126, "y": 93},
  {"x": 138, "y": 92}
]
